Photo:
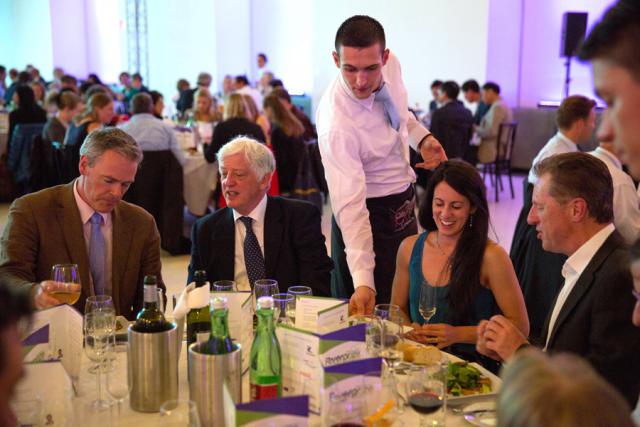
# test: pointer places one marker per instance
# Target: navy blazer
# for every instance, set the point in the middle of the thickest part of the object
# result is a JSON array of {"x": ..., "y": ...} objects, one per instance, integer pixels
[
  {"x": 295, "y": 250},
  {"x": 595, "y": 320}
]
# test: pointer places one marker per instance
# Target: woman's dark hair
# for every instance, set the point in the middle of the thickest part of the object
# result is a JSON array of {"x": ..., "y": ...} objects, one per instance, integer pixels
[
  {"x": 15, "y": 306},
  {"x": 26, "y": 98},
  {"x": 466, "y": 259}
]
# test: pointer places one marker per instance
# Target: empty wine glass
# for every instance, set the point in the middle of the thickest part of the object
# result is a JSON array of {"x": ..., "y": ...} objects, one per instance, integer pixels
[
  {"x": 118, "y": 384},
  {"x": 428, "y": 297},
  {"x": 427, "y": 393},
  {"x": 224, "y": 286},
  {"x": 372, "y": 332},
  {"x": 68, "y": 275},
  {"x": 379, "y": 398},
  {"x": 265, "y": 288},
  {"x": 100, "y": 304},
  {"x": 283, "y": 304},
  {"x": 295, "y": 291},
  {"x": 98, "y": 329},
  {"x": 390, "y": 332},
  {"x": 179, "y": 413}
]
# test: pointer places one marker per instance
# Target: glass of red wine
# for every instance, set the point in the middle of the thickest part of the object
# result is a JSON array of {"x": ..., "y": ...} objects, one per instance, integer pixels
[{"x": 427, "y": 393}]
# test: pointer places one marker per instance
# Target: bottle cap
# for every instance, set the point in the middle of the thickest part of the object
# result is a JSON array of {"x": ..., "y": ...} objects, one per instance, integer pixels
[
  {"x": 150, "y": 279},
  {"x": 218, "y": 303},
  {"x": 265, "y": 302}
]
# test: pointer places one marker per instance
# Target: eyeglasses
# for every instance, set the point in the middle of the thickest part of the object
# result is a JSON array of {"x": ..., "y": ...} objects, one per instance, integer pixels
[{"x": 636, "y": 294}]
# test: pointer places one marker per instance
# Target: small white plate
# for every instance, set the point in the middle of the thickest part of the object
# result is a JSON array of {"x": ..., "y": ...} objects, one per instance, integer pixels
[{"x": 482, "y": 419}]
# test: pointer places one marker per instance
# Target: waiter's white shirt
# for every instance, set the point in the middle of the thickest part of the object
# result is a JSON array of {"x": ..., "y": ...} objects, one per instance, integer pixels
[
  {"x": 240, "y": 269},
  {"x": 364, "y": 157},
  {"x": 86, "y": 212},
  {"x": 573, "y": 268},
  {"x": 626, "y": 211},
  {"x": 558, "y": 144}
]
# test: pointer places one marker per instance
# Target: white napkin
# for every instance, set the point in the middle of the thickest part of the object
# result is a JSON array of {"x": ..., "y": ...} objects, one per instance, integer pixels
[{"x": 190, "y": 298}]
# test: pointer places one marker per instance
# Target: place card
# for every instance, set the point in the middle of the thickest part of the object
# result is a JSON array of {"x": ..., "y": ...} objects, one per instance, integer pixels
[
  {"x": 286, "y": 411},
  {"x": 320, "y": 314}
]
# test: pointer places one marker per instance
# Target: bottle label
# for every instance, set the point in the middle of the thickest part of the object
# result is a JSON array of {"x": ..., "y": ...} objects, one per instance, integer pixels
[
  {"x": 264, "y": 391},
  {"x": 151, "y": 293}
]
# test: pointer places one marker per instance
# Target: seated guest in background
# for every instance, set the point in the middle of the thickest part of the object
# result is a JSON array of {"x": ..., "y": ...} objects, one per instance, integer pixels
[
  {"x": 27, "y": 110},
  {"x": 258, "y": 117},
  {"x": 284, "y": 97},
  {"x": 38, "y": 91},
  {"x": 487, "y": 130},
  {"x": 67, "y": 106},
  {"x": 263, "y": 83},
  {"x": 158, "y": 104},
  {"x": 85, "y": 222},
  {"x": 452, "y": 123},
  {"x": 150, "y": 133},
  {"x": 227, "y": 88},
  {"x": 561, "y": 390},
  {"x": 539, "y": 271},
  {"x": 469, "y": 272},
  {"x": 3, "y": 85},
  {"x": 573, "y": 214},
  {"x": 183, "y": 100},
  {"x": 205, "y": 114},
  {"x": 236, "y": 123},
  {"x": 258, "y": 236},
  {"x": 626, "y": 209},
  {"x": 241, "y": 86},
  {"x": 471, "y": 91},
  {"x": 435, "y": 93},
  {"x": 136, "y": 84},
  {"x": 69, "y": 82},
  {"x": 23, "y": 79},
  {"x": 15, "y": 309},
  {"x": 286, "y": 140}
]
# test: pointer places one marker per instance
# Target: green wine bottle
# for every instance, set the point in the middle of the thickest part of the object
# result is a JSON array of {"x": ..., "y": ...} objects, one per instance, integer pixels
[
  {"x": 219, "y": 341},
  {"x": 150, "y": 318},
  {"x": 265, "y": 363},
  {"x": 198, "y": 321}
]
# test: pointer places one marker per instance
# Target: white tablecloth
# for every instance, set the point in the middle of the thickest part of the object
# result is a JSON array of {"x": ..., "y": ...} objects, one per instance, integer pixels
[{"x": 200, "y": 179}]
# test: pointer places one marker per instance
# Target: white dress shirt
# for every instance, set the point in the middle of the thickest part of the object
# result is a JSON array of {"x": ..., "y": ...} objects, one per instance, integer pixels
[
  {"x": 240, "y": 269},
  {"x": 86, "y": 212},
  {"x": 364, "y": 157},
  {"x": 626, "y": 211},
  {"x": 573, "y": 268},
  {"x": 558, "y": 144},
  {"x": 152, "y": 134}
]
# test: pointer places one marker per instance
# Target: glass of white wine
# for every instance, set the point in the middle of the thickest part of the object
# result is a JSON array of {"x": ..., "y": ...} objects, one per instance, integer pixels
[
  {"x": 67, "y": 275},
  {"x": 295, "y": 291},
  {"x": 283, "y": 304},
  {"x": 428, "y": 298}
]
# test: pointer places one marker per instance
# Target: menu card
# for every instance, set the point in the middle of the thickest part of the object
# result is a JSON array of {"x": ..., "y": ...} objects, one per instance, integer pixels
[
  {"x": 286, "y": 411},
  {"x": 305, "y": 354},
  {"x": 320, "y": 314}
]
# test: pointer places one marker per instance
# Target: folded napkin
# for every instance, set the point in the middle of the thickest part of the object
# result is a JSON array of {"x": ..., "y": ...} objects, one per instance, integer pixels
[{"x": 190, "y": 298}]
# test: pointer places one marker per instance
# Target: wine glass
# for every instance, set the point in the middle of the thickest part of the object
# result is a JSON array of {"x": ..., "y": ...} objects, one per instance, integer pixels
[
  {"x": 295, "y": 291},
  {"x": 264, "y": 288},
  {"x": 179, "y": 413},
  {"x": 428, "y": 297},
  {"x": 282, "y": 305},
  {"x": 390, "y": 332},
  {"x": 100, "y": 304},
  {"x": 66, "y": 274},
  {"x": 380, "y": 400},
  {"x": 98, "y": 329},
  {"x": 372, "y": 332},
  {"x": 118, "y": 384},
  {"x": 224, "y": 286},
  {"x": 345, "y": 411},
  {"x": 427, "y": 393}
]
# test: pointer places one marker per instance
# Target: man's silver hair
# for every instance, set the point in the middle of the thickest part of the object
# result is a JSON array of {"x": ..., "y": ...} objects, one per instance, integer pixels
[
  {"x": 260, "y": 158},
  {"x": 110, "y": 138}
]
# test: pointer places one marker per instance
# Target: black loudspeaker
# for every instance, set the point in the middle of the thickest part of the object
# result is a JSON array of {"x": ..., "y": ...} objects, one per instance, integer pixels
[{"x": 574, "y": 27}]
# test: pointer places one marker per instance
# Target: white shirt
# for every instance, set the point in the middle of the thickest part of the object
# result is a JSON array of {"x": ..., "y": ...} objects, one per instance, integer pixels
[
  {"x": 558, "y": 144},
  {"x": 86, "y": 212},
  {"x": 364, "y": 157},
  {"x": 626, "y": 211},
  {"x": 152, "y": 134},
  {"x": 573, "y": 268},
  {"x": 240, "y": 270},
  {"x": 253, "y": 93}
]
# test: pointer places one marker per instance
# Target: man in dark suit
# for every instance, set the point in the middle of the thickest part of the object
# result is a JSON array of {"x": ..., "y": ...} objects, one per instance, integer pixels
[
  {"x": 257, "y": 236},
  {"x": 115, "y": 244},
  {"x": 452, "y": 123},
  {"x": 573, "y": 214}
]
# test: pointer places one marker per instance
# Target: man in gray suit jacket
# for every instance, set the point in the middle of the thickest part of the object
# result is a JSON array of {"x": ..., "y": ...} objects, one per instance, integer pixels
[
  {"x": 573, "y": 214},
  {"x": 115, "y": 244}
]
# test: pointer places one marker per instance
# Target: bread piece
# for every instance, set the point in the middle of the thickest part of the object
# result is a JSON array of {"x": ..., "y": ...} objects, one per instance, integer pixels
[{"x": 428, "y": 355}]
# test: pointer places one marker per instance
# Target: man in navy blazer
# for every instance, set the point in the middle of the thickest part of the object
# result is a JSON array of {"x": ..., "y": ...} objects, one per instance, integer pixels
[
  {"x": 287, "y": 231},
  {"x": 573, "y": 214}
]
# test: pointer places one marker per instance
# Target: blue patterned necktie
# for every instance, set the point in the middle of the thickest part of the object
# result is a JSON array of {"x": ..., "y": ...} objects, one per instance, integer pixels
[
  {"x": 253, "y": 259},
  {"x": 390, "y": 111},
  {"x": 97, "y": 254}
]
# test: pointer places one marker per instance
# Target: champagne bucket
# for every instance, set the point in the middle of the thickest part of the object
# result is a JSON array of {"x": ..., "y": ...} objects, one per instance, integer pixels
[
  {"x": 153, "y": 369},
  {"x": 210, "y": 375}
]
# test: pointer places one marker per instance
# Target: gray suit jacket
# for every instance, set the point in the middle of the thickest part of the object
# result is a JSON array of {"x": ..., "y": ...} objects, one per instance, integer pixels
[{"x": 45, "y": 228}]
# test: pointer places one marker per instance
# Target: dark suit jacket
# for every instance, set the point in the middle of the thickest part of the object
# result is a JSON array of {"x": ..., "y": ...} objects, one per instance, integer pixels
[
  {"x": 595, "y": 320},
  {"x": 295, "y": 252},
  {"x": 45, "y": 228},
  {"x": 452, "y": 125},
  {"x": 228, "y": 129}
]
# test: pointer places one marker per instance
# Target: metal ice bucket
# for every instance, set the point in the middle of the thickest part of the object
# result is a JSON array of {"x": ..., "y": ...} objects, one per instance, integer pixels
[
  {"x": 210, "y": 375},
  {"x": 153, "y": 368}
]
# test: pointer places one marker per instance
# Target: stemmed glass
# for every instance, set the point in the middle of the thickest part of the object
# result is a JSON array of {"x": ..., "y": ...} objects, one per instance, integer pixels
[
  {"x": 224, "y": 286},
  {"x": 262, "y": 288},
  {"x": 102, "y": 304},
  {"x": 426, "y": 393},
  {"x": 282, "y": 305},
  {"x": 179, "y": 413},
  {"x": 68, "y": 275},
  {"x": 427, "y": 305},
  {"x": 295, "y": 291},
  {"x": 118, "y": 384},
  {"x": 390, "y": 332},
  {"x": 98, "y": 329}
]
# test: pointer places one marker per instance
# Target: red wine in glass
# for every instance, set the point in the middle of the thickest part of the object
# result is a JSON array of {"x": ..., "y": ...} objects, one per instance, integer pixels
[
  {"x": 347, "y": 424},
  {"x": 425, "y": 402}
]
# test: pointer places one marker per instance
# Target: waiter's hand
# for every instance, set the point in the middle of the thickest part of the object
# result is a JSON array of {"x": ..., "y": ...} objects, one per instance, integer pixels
[
  {"x": 42, "y": 293},
  {"x": 362, "y": 301},
  {"x": 432, "y": 153}
]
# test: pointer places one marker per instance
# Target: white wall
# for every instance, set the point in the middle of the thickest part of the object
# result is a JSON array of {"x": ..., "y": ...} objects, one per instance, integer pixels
[{"x": 68, "y": 35}]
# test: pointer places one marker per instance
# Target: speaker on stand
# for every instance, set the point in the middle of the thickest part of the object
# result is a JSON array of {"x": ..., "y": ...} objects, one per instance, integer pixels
[{"x": 574, "y": 27}]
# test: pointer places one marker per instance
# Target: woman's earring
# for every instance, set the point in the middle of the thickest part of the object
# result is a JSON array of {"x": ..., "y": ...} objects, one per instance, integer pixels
[{"x": 470, "y": 221}]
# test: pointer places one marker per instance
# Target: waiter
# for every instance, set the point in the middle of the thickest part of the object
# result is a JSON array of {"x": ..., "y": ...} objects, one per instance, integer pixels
[{"x": 364, "y": 131}]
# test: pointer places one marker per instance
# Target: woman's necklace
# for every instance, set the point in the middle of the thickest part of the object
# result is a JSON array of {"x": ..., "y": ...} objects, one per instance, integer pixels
[{"x": 438, "y": 243}]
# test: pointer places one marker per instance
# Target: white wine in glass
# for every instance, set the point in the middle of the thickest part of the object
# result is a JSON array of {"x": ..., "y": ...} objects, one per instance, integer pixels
[
  {"x": 428, "y": 298},
  {"x": 66, "y": 274}
]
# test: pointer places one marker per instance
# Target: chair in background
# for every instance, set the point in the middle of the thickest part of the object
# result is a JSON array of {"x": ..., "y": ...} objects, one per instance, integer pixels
[
  {"x": 19, "y": 156},
  {"x": 158, "y": 189},
  {"x": 502, "y": 164}
]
